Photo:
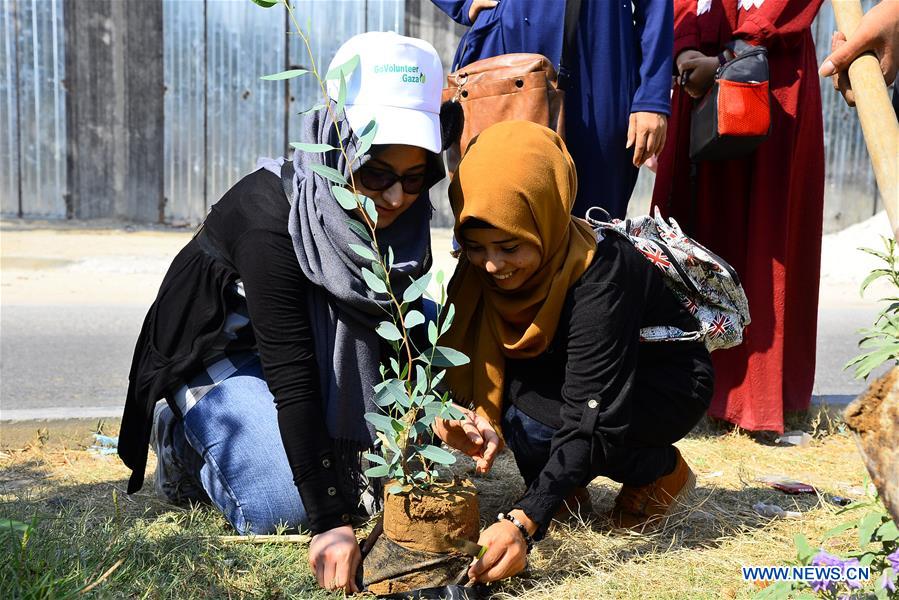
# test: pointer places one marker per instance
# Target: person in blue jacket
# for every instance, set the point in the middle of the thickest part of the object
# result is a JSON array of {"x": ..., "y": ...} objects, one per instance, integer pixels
[{"x": 618, "y": 96}]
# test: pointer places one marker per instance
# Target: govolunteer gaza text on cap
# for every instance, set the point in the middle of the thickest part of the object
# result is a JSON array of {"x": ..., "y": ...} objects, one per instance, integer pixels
[{"x": 397, "y": 83}]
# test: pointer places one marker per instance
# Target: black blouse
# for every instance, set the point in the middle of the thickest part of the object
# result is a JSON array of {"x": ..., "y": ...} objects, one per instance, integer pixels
[{"x": 244, "y": 237}]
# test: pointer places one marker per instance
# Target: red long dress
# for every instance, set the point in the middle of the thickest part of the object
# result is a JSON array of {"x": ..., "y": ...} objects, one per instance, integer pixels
[{"x": 762, "y": 213}]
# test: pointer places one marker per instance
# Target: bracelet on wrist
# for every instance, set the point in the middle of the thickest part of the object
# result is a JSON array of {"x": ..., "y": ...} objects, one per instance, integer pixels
[{"x": 524, "y": 531}]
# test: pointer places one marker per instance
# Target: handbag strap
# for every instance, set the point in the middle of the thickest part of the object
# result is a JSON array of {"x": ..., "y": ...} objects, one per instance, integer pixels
[{"x": 572, "y": 15}]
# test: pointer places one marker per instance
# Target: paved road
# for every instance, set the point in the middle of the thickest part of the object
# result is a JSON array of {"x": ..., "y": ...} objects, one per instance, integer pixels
[
  {"x": 73, "y": 302},
  {"x": 60, "y": 361}
]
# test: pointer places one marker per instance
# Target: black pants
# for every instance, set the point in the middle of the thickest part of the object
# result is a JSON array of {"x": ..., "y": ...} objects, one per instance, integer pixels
[{"x": 666, "y": 405}]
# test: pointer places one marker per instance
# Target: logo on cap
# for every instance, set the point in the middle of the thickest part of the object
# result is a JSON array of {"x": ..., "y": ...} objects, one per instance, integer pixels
[{"x": 408, "y": 73}]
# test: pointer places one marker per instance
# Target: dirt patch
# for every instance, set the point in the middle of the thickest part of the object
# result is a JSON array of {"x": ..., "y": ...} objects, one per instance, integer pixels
[
  {"x": 874, "y": 418},
  {"x": 424, "y": 521}
]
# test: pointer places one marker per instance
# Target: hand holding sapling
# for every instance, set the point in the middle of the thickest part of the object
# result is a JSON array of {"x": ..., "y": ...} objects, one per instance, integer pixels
[{"x": 472, "y": 435}]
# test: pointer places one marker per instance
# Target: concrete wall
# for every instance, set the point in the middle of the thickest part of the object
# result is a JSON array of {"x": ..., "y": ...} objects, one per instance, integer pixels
[{"x": 114, "y": 109}]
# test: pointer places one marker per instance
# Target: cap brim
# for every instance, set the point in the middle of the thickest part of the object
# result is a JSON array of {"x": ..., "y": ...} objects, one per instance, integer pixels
[{"x": 398, "y": 125}]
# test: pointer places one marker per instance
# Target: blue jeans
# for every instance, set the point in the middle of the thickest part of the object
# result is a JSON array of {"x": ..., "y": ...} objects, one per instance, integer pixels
[{"x": 229, "y": 444}]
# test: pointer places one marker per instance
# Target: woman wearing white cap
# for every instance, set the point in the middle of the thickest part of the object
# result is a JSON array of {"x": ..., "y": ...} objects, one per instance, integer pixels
[{"x": 261, "y": 339}]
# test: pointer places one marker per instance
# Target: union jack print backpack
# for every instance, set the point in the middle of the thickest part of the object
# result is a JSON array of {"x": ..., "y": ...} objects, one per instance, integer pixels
[{"x": 706, "y": 285}]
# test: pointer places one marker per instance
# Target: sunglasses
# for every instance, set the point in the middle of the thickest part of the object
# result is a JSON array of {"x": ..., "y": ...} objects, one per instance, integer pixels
[{"x": 379, "y": 180}]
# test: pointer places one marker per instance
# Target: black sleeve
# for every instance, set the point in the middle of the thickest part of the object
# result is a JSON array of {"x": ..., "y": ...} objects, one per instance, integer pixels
[
  {"x": 602, "y": 344},
  {"x": 276, "y": 298}
]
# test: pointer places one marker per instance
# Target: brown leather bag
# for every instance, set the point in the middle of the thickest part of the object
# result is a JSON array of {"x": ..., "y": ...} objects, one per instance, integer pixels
[
  {"x": 508, "y": 87},
  {"x": 511, "y": 87}
]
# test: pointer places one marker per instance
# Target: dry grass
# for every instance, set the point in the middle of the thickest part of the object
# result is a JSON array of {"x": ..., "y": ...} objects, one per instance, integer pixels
[{"x": 85, "y": 524}]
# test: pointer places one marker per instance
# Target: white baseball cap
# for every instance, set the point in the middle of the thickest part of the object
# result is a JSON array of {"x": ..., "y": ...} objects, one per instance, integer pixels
[{"x": 398, "y": 84}]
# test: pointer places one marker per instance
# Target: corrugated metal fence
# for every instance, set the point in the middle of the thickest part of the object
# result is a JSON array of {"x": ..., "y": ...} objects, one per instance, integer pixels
[
  {"x": 32, "y": 109},
  {"x": 219, "y": 116}
]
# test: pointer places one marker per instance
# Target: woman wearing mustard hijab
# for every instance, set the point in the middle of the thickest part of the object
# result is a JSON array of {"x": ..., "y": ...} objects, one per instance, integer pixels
[{"x": 550, "y": 314}]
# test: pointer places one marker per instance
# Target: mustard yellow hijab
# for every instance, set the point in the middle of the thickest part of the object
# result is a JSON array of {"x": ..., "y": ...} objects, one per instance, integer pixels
[{"x": 518, "y": 177}]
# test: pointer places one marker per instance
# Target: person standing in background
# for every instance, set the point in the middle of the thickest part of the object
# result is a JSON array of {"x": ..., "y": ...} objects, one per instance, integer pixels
[
  {"x": 618, "y": 96},
  {"x": 762, "y": 213}
]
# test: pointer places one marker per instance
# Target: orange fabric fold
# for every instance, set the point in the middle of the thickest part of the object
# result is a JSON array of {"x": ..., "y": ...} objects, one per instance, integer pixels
[{"x": 518, "y": 177}]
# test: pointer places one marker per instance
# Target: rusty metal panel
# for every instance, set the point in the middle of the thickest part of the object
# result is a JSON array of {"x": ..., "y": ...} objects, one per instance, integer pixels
[
  {"x": 9, "y": 164},
  {"x": 39, "y": 108}
]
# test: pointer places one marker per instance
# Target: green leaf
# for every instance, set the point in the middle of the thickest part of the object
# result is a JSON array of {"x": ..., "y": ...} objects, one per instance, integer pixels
[
  {"x": 888, "y": 532},
  {"x": 432, "y": 333},
  {"x": 309, "y": 147},
  {"x": 390, "y": 392},
  {"x": 345, "y": 69},
  {"x": 381, "y": 422},
  {"x": 867, "y": 525},
  {"x": 872, "y": 277},
  {"x": 345, "y": 198},
  {"x": 360, "y": 229},
  {"x": 447, "y": 357},
  {"x": 388, "y": 331},
  {"x": 378, "y": 471},
  {"x": 311, "y": 109},
  {"x": 329, "y": 173},
  {"x": 803, "y": 549},
  {"x": 435, "y": 381},
  {"x": 378, "y": 269},
  {"x": 439, "y": 277},
  {"x": 8, "y": 526},
  {"x": 290, "y": 74},
  {"x": 370, "y": 209},
  {"x": 395, "y": 365},
  {"x": 375, "y": 458},
  {"x": 390, "y": 257},
  {"x": 341, "y": 96},
  {"x": 452, "y": 412},
  {"x": 366, "y": 138},
  {"x": 373, "y": 282},
  {"x": 416, "y": 289},
  {"x": 421, "y": 381},
  {"x": 437, "y": 455},
  {"x": 363, "y": 251},
  {"x": 413, "y": 318},
  {"x": 265, "y": 3},
  {"x": 838, "y": 530},
  {"x": 448, "y": 319}
]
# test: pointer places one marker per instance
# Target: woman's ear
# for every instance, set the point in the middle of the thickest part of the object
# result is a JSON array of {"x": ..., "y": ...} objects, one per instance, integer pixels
[{"x": 452, "y": 120}]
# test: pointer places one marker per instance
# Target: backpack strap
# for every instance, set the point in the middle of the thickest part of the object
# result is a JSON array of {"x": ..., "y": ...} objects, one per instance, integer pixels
[
  {"x": 287, "y": 172},
  {"x": 572, "y": 15}
]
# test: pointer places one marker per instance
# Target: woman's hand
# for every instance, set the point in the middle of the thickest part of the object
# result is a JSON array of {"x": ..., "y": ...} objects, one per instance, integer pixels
[
  {"x": 334, "y": 557},
  {"x": 648, "y": 131},
  {"x": 877, "y": 32},
  {"x": 507, "y": 552},
  {"x": 479, "y": 5},
  {"x": 473, "y": 436},
  {"x": 701, "y": 69}
]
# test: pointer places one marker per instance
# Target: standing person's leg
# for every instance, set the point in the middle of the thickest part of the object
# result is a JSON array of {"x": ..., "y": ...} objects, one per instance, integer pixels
[{"x": 242, "y": 466}]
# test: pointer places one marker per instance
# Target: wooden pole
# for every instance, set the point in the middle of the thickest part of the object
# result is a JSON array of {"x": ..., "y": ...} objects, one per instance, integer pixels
[{"x": 875, "y": 112}]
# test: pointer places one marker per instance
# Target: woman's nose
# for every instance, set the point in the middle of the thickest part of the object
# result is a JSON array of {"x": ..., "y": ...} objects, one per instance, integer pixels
[
  {"x": 492, "y": 265},
  {"x": 393, "y": 195}
]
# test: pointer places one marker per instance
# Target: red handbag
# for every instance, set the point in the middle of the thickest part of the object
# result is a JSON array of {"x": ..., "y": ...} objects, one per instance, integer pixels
[{"x": 734, "y": 116}]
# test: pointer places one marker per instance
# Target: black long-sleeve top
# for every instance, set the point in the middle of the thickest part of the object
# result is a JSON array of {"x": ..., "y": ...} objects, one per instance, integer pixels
[
  {"x": 583, "y": 384},
  {"x": 244, "y": 237}
]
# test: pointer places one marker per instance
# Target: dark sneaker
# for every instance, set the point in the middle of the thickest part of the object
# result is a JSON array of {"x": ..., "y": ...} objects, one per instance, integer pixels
[
  {"x": 173, "y": 482},
  {"x": 647, "y": 506}
]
